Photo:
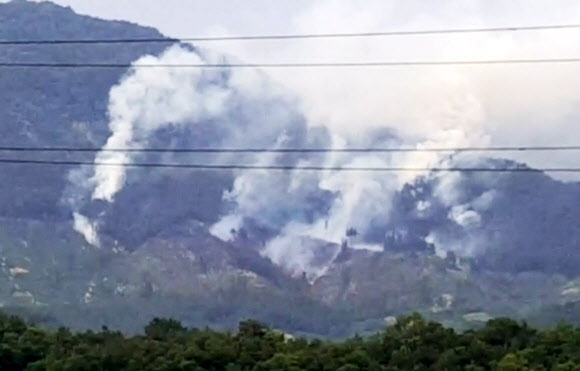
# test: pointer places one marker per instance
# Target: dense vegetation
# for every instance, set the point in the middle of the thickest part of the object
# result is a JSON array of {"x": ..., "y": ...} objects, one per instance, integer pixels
[{"x": 411, "y": 344}]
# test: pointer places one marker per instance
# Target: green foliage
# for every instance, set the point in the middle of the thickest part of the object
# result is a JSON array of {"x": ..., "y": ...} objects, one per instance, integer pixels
[
  {"x": 413, "y": 343},
  {"x": 163, "y": 329}
]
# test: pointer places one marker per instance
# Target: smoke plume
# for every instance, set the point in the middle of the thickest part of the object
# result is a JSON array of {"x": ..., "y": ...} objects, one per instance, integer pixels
[
  {"x": 425, "y": 107},
  {"x": 147, "y": 100},
  {"x": 523, "y": 104},
  {"x": 86, "y": 228}
]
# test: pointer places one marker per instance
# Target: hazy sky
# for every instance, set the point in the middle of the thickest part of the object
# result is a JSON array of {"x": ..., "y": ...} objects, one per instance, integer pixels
[{"x": 191, "y": 17}]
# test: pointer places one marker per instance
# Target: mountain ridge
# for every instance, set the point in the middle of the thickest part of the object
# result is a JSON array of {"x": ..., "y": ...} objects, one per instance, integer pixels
[{"x": 487, "y": 246}]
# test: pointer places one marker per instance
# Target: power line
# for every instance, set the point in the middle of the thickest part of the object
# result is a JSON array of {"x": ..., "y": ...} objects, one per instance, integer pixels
[
  {"x": 291, "y": 65},
  {"x": 292, "y": 150},
  {"x": 288, "y": 168},
  {"x": 288, "y": 36}
]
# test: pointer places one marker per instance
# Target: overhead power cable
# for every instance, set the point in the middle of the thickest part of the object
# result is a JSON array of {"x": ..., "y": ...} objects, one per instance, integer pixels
[
  {"x": 288, "y": 168},
  {"x": 288, "y": 36},
  {"x": 291, "y": 65},
  {"x": 291, "y": 150}
]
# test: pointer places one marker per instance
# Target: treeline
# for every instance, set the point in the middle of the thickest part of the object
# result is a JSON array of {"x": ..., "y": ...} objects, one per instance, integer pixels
[{"x": 413, "y": 343}]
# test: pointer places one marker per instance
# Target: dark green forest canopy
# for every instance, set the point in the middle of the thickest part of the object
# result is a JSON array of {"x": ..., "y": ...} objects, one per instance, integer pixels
[{"x": 413, "y": 343}]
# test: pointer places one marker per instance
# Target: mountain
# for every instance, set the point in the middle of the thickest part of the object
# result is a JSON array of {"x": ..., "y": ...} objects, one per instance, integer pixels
[
  {"x": 311, "y": 253},
  {"x": 524, "y": 222},
  {"x": 53, "y": 106},
  {"x": 192, "y": 275}
]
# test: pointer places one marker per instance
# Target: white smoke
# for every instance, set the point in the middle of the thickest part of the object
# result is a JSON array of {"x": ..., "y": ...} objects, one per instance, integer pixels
[
  {"x": 465, "y": 217},
  {"x": 454, "y": 119},
  {"x": 86, "y": 228},
  {"x": 147, "y": 100},
  {"x": 227, "y": 226},
  {"x": 297, "y": 254},
  {"x": 246, "y": 110},
  {"x": 361, "y": 198},
  {"x": 523, "y": 104},
  {"x": 504, "y": 105},
  {"x": 425, "y": 106}
]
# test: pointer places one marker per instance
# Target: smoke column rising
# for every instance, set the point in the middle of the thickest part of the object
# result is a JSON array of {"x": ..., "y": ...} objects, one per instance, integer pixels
[
  {"x": 86, "y": 228},
  {"x": 523, "y": 104},
  {"x": 256, "y": 113},
  {"x": 147, "y": 100},
  {"x": 423, "y": 107}
]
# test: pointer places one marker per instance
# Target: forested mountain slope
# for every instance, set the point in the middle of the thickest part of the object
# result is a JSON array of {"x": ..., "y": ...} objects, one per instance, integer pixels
[{"x": 300, "y": 250}]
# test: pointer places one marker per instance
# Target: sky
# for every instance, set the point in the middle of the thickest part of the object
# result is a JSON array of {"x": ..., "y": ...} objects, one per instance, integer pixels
[
  {"x": 502, "y": 105},
  {"x": 181, "y": 18},
  {"x": 192, "y": 17}
]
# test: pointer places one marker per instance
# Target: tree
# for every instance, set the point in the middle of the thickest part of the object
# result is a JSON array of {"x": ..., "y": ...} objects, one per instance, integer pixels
[
  {"x": 251, "y": 328},
  {"x": 163, "y": 329},
  {"x": 513, "y": 362}
]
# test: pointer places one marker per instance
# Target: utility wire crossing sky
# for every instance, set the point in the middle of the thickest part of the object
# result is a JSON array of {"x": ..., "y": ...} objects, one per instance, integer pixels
[
  {"x": 290, "y": 150},
  {"x": 289, "y": 168},
  {"x": 331, "y": 64},
  {"x": 293, "y": 65},
  {"x": 292, "y": 36}
]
